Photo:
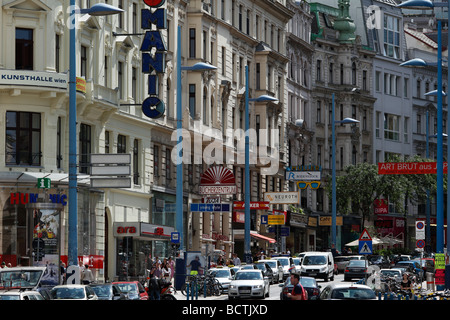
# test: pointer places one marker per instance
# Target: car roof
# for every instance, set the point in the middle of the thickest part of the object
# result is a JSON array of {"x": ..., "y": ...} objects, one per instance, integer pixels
[
  {"x": 348, "y": 285},
  {"x": 70, "y": 286}
]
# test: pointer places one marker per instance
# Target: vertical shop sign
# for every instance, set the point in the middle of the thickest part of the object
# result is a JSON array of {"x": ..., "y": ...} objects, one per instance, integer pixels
[{"x": 154, "y": 51}]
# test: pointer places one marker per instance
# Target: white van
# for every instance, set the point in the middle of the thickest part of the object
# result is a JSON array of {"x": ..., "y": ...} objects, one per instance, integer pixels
[{"x": 318, "y": 265}]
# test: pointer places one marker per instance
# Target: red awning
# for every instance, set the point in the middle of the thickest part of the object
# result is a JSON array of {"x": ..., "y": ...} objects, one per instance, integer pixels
[{"x": 258, "y": 236}]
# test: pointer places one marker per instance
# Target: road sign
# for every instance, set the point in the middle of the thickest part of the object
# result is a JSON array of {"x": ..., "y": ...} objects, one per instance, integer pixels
[
  {"x": 420, "y": 244},
  {"x": 275, "y": 219},
  {"x": 175, "y": 237},
  {"x": 365, "y": 247},
  {"x": 365, "y": 236},
  {"x": 264, "y": 219},
  {"x": 284, "y": 231},
  {"x": 420, "y": 230},
  {"x": 209, "y": 207}
]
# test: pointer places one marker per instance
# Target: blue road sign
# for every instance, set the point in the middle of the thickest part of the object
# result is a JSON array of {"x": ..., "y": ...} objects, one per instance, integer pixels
[
  {"x": 365, "y": 247},
  {"x": 209, "y": 207},
  {"x": 264, "y": 219},
  {"x": 175, "y": 237}
]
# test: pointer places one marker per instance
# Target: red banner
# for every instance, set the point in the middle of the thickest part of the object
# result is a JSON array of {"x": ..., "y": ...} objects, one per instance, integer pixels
[
  {"x": 254, "y": 205},
  {"x": 94, "y": 261},
  {"x": 409, "y": 167},
  {"x": 381, "y": 206}
]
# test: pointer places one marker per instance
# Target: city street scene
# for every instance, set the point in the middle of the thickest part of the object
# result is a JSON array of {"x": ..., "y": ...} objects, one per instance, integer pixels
[{"x": 224, "y": 150}]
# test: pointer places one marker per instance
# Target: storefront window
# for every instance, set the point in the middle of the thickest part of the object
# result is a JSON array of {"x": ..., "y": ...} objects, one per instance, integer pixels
[
  {"x": 132, "y": 258},
  {"x": 163, "y": 211}
]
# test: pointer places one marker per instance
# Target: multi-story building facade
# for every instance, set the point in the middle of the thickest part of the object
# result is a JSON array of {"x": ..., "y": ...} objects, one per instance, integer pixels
[{"x": 341, "y": 65}]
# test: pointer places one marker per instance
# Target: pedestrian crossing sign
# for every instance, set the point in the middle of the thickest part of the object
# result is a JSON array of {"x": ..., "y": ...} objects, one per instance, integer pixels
[{"x": 365, "y": 247}]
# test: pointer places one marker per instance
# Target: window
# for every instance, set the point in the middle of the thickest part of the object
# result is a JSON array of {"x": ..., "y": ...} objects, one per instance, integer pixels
[
  {"x": 23, "y": 138},
  {"x": 192, "y": 100},
  {"x": 330, "y": 80},
  {"x": 120, "y": 78},
  {"x": 121, "y": 15},
  {"x": 57, "y": 52},
  {"x": 83, "y": 62},
  {"x": 24, "y": 49},
  {"x": 121, "y": 144},
  {"x": 168, "y": 164},
  {"x": 192, "y": 43},
  {"x": 156, "y": 161},
  {"x": 85, "y": 147},
  {"x": 354, "y": 74},
  {"x": 136, "y": 161},
  {"x": 418, "y": 88},
  {"x": 319, "y": 71},
  {"x": 391, "y": 37},
  {"x": 405, "y": 130},
  {"x": 223, "y": 60},
  {"x": 58, "y": 143},
  {"x": 391, "y": 127},
  {"x": 107, "y": 142},
  {"x": 258, "y": 76},
  {"x": 134, "y": 83},
  {"x": 105, "y": 76},
  {"x": 377, "y": 80}
]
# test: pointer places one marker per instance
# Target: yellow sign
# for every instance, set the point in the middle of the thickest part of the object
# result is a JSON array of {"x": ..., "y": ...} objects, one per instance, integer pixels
[
  {"x": 327, "y": 221},
  {"x": 275, "y": 219},
  {"x": 81, "y": 85}
]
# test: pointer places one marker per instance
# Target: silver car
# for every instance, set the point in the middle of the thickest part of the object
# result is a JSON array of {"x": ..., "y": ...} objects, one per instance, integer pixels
[
  {"x": 344, "y": 291},
  {"x": 249, "y": 284},
  {"x": 276, "y": 267}
]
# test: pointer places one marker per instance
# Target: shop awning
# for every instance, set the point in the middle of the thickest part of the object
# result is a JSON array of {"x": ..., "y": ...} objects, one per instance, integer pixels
[{"x": 261, "y": 237}]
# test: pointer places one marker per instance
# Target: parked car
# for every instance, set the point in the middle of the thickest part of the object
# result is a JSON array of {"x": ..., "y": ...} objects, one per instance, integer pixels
[
  {"x": 381, "y": 261},
  {"x": 16, "y": 294},
  {"x": 29, "y": 278},
  {"x": 223, "y": 275},
  {"x": 344, "y": 291},
  {"x": 266, "y": 270},
  {"x": 276, "y": 267},
  {"x": 413, "y": 266},
  {"x": 297, "y": 264},
  {"x": 249, "y": 284},
  {"x": 134, "y": 289},
  {"x": 308, "y": 283},
  {"x": 358, "y": 269},
  {"x": 341, "y": 262},
  {"x": 108, "y": 291},
  {"x": 427, "y": 264},
  {"x": 73, "y": 292},
  {"x": 286, "y": 263},
  {"x": 392, "y": 273}
]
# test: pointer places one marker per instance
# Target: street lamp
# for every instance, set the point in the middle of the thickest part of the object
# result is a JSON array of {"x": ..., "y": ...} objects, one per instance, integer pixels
[
  {"x": 100, "y": 9},
  {"x": 200, "y": 66},
  {"x": 425, "y": 4},
  {"x": 262, "y": 98},
  {"x": 333, "y": 170}
]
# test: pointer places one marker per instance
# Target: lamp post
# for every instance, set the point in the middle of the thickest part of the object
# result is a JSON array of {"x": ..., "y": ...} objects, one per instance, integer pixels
[
  {"x": 425, "y": 4},
  {"x": 262, "y": 98},
  {"x": 100, "y": 9},
  {"x": 333, "y": 167},
  {"x": 200, "y": 66}
]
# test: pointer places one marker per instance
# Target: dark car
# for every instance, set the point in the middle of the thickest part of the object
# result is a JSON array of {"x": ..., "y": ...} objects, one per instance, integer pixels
[
  {"x": 412, "y": 266},
  {"x": 358, "y": 269},
  {"x": 308, "y": 283},
  {"x": 108, "y": 291},
  {"x": 134, "y": 289},
  {"x": 266, "y": 270},
  {"x": 380, "y": 261}
]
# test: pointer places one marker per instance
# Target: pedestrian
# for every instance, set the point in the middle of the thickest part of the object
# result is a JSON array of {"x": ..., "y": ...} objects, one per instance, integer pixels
[
  {"x": 298, "y": 292},
  {"x": 165, "y": 270},
  {"x": 87, "y": 277},
  {"x": 4, "y": 265},
  {"x": 171, "y": 263},
  {"x": 195, "y": 266},
  {"x": 62, "y": 272},
  {"x": 154, "y": 286},
  {"x": 236, "y": 260}
]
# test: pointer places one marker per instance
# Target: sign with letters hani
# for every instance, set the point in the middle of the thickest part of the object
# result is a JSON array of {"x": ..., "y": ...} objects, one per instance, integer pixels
[{"x": 154, "y": 51}]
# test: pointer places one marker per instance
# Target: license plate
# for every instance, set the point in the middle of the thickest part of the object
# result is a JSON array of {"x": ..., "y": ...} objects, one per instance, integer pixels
[
  {"x": 245, "y": 291},
  {"x": 313, "y": 274}
]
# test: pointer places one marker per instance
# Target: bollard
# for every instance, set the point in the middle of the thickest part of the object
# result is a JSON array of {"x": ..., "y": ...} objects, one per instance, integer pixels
[{"x": 430, "y": 281}]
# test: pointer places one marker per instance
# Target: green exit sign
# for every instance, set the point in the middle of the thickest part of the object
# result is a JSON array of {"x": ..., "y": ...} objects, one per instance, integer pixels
[{"x": 44, "y": 183}]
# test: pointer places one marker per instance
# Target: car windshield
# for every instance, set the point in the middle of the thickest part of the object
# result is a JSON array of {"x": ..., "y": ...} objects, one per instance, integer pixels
[
  {"x": 314, "y": 260},
  {"x": 390, "y": 273},
  {"x": 296, "y": 261},
  {"x": 9, "y": 297},
  {"x": 248, "y": 276},
  {"x": 352, "y": 294},
  {"x": 260, "y": 266},
  {"x": 128, "y": 287},
  {"x": 272, "y": 264},
  {"x": 102, "y": 291},
  {"x": 307, "y": 282},
  {"x": 67, "y": 293},
  {"x": 20, "y": 278},
  {"x": 221, "y": 273},
  {"x": 284, "y": 262}
]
